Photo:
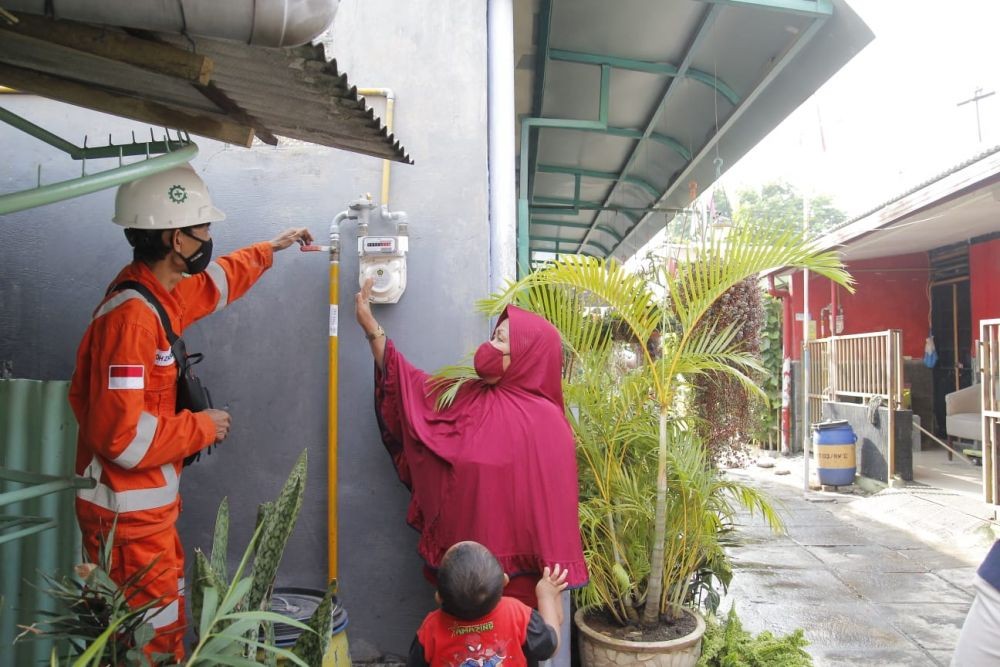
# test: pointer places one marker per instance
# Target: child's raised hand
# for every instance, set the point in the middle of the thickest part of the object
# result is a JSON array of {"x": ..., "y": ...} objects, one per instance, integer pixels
[
  {"x": 548, "y": 590},
  {"x": 553, "y": 581}
]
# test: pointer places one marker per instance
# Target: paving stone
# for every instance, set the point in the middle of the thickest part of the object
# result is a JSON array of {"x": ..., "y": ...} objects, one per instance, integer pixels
[
  {"x": 932, "y": 626},
  {"x": 962, "y": 577},
  {"x": 831, "y": 535},
  {"x": 873, "y": 658},
  {"x": 870, "y": 557},
  {"x": 939, "y": 559},
  {"x": 879, "y": 580},
  {"x": 904, "y": 587},
  {"x": 803, "y": 586},
  {"x": 829, "y": 626},
  {"x": 760, "y": 534},
  {"x": 810, "y": 517},
  {"x": 772, "y": 556},
  {"x": 943, "y": 658}
]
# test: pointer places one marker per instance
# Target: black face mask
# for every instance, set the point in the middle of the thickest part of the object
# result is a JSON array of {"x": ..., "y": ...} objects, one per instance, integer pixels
[{"x": 197, "y": 261}]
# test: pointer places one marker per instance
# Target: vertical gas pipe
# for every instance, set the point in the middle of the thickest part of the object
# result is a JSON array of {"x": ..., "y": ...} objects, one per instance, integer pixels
[
  {"x": 331, "y": 432},
  {"x": 390, "y": 105},
  {"x": 786, "y": 363}
]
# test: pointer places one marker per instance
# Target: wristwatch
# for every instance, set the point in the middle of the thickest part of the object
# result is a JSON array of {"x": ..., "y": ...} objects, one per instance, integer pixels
[{"x": 375, "y": 334}]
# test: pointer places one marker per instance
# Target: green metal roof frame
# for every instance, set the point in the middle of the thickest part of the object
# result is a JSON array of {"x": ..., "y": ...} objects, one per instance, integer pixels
[{"x": 548, "y": 223}]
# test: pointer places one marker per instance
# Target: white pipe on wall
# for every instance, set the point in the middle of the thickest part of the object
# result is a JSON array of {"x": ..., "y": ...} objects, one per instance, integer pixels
[
  {"x": 500, "y": 100},
  {"x": 260, "y": 22}
]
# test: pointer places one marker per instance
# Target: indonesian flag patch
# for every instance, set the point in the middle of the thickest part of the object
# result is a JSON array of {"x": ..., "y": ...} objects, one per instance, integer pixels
[{"x": 126, "y": 377}]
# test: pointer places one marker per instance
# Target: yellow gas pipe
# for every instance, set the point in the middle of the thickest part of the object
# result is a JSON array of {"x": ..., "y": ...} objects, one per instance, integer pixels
[
  {"x": 332, "y": 388},
  {"x": 331, "y": 433},
  {"x": 390, "y": 103}
]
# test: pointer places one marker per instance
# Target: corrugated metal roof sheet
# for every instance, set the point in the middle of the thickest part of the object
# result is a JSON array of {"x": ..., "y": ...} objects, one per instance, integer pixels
[
  {"x": 240, "y": 91},
  {"x": 37, "y": 435},
  {"x": 916, "y": 188},
  {"x": 955, "y": 206},
  {"x": 633, "y": 106}
]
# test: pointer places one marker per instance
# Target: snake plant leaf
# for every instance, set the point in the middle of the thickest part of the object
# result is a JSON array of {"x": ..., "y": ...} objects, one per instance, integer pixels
[
  {"x": 204, "y": 579},
  {"x": 277, "y": 526},
  {"x": 220, "y": 540},
  {"x": 263, "y": 511},
  {"x": 311, "y": 646}
]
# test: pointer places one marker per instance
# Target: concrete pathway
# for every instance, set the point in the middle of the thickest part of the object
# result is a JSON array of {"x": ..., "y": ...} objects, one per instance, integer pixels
[{"x": 882, "y": 579}]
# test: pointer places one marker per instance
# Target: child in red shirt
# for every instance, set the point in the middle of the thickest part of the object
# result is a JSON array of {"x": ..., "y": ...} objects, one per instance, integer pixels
[{"x": 476, "y": 626}]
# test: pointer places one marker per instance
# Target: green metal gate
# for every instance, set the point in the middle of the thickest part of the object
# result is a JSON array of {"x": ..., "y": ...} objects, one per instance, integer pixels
[{"x": 38, "y": 531}]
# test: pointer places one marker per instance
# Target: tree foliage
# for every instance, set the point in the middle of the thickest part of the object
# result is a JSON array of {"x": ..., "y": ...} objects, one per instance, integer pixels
[{"x": 779, "y": 205}]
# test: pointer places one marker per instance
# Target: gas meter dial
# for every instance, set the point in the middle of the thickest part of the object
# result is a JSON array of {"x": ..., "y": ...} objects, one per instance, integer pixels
[{"x": 383, "y": 259}]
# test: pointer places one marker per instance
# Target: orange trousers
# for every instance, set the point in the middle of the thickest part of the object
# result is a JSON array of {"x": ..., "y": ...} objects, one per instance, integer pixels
[{"x": 165, "y": 580}]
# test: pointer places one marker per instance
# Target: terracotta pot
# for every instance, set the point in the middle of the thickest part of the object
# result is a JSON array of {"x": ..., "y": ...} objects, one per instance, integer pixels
[{"x": 598, "y": 650}]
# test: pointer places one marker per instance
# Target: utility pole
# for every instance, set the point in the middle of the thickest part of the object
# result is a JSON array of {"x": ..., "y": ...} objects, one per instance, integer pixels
[
  {"x": 976, "y": 96},
  {"x": 806, "y": 453}
]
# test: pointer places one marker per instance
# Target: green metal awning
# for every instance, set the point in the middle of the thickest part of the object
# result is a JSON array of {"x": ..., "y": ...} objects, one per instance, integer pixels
[{"x": 627, "y": 108}]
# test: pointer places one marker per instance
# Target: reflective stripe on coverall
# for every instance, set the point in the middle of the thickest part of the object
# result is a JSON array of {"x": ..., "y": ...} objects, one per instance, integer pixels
[{"x": 132, "y": 440}]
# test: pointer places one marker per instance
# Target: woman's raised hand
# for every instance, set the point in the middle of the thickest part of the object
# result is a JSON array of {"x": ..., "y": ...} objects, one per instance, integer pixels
[
  {"x": 373, "y": 332},
  {"x": 363, "y": 308}
]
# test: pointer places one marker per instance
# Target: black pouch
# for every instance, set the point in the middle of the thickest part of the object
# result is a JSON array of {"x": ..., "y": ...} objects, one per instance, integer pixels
[{"x": 191, "y": 393}]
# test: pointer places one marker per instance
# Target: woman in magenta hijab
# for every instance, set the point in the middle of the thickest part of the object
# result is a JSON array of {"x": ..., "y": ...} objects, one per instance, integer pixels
[{"x": 498, "y": 466}]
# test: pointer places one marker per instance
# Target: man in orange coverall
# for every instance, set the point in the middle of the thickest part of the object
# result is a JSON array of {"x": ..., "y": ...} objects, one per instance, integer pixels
[{"x": 132, "y": 439}]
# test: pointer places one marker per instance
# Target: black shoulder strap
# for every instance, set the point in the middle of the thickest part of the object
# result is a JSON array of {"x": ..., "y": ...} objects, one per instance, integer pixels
[{"x": 148, "y": 295}]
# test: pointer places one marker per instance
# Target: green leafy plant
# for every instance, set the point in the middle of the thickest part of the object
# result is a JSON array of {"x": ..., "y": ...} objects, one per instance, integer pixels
[
  {"x": 96, "y": 621},
  {"x": 232, "y": 616},
  {"x": 636, "y": 564},
  {"x": 727, "y": 644},
  {"x": 446, "y": 383},
  {"x": 771, "y": 358}
]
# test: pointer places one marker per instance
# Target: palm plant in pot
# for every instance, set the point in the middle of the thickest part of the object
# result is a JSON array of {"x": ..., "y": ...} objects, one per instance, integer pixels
[{"x": 652, "y": 508}]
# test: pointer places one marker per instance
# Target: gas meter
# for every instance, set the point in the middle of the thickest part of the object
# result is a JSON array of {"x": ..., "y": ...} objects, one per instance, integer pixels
[{"x": 383, "y": 258}]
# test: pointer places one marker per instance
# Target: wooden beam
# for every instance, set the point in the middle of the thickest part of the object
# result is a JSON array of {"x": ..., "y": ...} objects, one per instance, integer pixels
[
  {"x": 118, "y": 46},
  {"x": 236, "y": 112},
  {"x": 135, "y": 108}
]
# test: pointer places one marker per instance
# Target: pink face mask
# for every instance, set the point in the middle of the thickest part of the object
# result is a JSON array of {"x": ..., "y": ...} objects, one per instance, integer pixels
[{"x": 488, "y": 361}]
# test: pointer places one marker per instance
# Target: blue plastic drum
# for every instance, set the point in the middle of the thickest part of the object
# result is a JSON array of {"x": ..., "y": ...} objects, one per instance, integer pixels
[{"x": 833, "y": 444}]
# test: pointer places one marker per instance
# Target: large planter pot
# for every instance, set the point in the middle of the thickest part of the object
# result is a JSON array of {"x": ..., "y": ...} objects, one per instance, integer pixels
[{"x": 599, "y": 650}]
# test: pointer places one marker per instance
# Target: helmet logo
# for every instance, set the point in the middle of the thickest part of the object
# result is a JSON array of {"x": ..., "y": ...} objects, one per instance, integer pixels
[{"x": 177, "y": 194}]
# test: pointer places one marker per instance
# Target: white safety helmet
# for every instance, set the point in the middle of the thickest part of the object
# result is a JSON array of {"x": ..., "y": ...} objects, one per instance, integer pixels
[{"x": 171, "y": 199}]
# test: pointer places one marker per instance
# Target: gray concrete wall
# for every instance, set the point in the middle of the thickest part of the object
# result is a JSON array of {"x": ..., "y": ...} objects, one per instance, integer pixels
[
  {"x": 872, "y": 447},
  {"x": 266, "y": 356}
]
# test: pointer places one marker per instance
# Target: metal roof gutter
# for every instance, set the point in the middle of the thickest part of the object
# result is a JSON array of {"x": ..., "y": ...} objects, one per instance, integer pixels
[{"x": 275, "y": 23}]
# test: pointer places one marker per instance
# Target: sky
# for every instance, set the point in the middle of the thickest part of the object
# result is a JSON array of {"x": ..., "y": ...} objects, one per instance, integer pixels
[{"x": 890, "y": 117}]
